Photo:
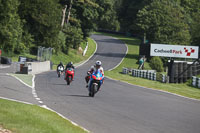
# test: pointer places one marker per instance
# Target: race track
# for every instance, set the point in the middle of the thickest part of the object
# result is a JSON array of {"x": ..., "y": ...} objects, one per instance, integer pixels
[{"x": 118, "y": 108}]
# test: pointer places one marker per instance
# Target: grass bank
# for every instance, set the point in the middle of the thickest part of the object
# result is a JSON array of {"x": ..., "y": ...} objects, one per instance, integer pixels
[
  {"x": 25, "y": 78},
  {"x": 130, "y": 61},
  {"x": 74, "y": 55},
  {"x": 23, "y": 118}
]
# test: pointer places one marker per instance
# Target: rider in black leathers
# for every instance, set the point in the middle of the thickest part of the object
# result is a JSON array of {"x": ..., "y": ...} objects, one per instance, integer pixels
[{"x": 60, "y": 65}]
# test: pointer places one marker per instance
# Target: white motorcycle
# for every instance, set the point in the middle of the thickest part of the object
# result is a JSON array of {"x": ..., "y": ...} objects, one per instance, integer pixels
[{"x": 60, "y": 70}]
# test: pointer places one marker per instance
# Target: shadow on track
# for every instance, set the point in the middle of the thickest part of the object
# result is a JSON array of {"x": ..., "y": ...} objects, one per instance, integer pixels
[{"x": 77, "y": 95}]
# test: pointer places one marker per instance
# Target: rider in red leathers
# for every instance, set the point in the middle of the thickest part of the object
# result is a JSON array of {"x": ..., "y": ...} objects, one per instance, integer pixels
[{"x": 69, "y": 65}]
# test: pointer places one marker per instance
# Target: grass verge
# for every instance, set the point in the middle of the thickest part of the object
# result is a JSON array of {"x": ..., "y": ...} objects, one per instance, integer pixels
[
  {"x": 23, "y": 118},
  {"x": 25, "y": 78},
  {"x": 130, "y": 61},
  {"x": 74, "y": 56}
]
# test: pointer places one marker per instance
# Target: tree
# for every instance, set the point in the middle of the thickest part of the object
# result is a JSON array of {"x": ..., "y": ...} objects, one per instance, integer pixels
[
  {"x": 193, "y": 13},
  {"x": 127, "y": 13},
  {"x": 42, "y": 20},
  {"x": 107, "y": 18},
  {"x": 74, "y": 36},
  {"x": 11, "y": 26},
  {"x": 195, "y": 29},
  {"x": 157, "y": 64},
  {"x": 164, "y": 22}
]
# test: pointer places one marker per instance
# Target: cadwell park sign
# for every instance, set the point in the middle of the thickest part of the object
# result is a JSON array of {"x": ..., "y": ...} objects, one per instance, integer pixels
[{"x": 174, "y": 51}]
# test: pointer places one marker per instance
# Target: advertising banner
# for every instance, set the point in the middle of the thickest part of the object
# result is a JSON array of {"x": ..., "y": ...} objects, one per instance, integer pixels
[{"x": 174, "y": 51}]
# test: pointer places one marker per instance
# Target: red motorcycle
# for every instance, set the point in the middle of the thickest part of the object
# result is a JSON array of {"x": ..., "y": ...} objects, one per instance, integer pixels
[{"x": 69, "y": 75}]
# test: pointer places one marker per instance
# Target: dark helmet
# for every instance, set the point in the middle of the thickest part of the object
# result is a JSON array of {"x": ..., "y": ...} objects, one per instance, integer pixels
[{"x": 70, "y": 63}]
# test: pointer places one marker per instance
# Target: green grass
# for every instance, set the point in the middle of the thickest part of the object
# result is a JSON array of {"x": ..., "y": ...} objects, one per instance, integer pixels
[
  {"x": 74, "y": 56},
  {"x": 130, "y": 61},
  {"x": 23, "y": 118},
  {"x": 25, "y": 78}
]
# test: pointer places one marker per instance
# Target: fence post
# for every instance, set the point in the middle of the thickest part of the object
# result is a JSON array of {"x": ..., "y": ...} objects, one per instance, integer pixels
[
  {"x": 140, "y": 74},
  {"x": 151, "y": 78},
  {"x": 194, "y": 81},
  {"x": 133, "y": 72},
  {"x": 149, "y": 75},
  {"x": 163, "y": 78},
  {"x": 198, "y": 82},
  {"x": 137, "y": 73},
  {"x": 154, "y": 76},
  {"x": 125, "y": 70},
  {"x": 145, "y": 74}
]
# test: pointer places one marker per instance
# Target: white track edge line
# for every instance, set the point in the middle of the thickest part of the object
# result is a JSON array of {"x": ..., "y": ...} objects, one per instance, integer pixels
[
  {"x": 19, "y": 80},
  {"x": 143, "y": 86},
  {"x": 16, "y": 100},
  {"x": 122, "y": 58},
  {"x": 154, "y": 89},
  {"x": 44, "y": 106}
]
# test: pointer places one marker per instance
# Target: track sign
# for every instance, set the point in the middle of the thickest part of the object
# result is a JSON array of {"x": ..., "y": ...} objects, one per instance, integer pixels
[{"x": 174, "y": 51}]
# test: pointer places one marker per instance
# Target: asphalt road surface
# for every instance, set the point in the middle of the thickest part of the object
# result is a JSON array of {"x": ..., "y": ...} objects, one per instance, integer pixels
[
  {"x": 118, "y": 107},
  {"x": 13, "y": 89}
]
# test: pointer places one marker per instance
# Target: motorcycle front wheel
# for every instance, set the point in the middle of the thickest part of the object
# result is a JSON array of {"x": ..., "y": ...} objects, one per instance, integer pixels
[{"x": 68, "y": 80}]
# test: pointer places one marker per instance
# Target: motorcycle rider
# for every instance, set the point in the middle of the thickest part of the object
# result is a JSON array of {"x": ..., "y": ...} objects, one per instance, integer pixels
[
  {"x": 60, "y": 66},
  {"x": 94, "y": 68},
  {"x": 69, "y": 65}
]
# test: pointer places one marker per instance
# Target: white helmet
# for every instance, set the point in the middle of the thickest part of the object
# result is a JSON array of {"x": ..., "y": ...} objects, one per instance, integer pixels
[
  {"x": 98, "y": 63},
  {"x": 92, "y": 67}
]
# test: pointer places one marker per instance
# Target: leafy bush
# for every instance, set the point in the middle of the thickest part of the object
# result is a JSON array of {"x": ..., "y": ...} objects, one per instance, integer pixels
[{"x": 157, "y": 64}]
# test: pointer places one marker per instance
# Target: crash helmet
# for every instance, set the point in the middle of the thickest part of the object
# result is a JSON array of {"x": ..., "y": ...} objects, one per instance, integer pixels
[
  {"x": 70, "y": 64},
  {"x": 98, "y": 64}
]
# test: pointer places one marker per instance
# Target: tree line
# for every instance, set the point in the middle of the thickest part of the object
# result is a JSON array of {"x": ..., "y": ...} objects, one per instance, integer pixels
[{"x": 64, "y": 24}]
